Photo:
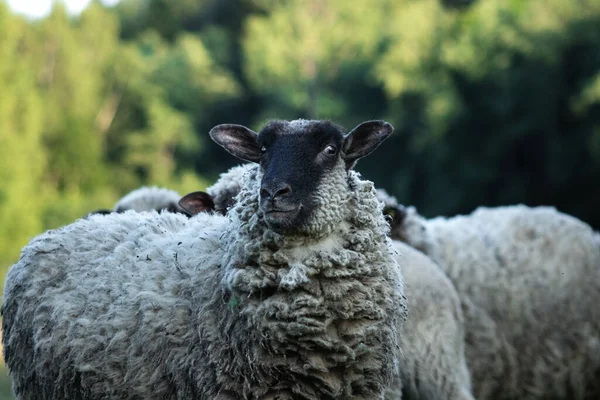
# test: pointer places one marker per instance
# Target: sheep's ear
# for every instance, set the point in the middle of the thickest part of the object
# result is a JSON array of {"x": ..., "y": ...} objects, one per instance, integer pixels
[
  {"x": 197, "y": 202},
  {"x": 101, "y": 211},
  {"x": 363, "y": 139},
  {"x": 237, "y": 140},
  {"x": 173, "y": 208}
]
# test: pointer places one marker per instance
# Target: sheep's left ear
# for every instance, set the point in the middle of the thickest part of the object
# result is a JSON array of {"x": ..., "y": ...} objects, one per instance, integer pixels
[
  {"x": 237, "y": 140},
  {"x": 197, "y": 202},
  {"x": 363, "y": 139}
]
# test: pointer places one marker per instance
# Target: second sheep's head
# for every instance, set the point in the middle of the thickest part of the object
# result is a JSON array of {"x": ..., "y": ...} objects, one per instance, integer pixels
[{"x": 304, "y": 164}]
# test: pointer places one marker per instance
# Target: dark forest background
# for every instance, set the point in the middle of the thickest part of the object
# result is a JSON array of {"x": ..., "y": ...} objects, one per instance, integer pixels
[{"x": 494, "y": 101}]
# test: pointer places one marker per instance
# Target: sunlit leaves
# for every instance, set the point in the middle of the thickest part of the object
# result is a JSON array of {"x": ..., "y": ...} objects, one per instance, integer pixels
[{"x": 295, "y": 51}]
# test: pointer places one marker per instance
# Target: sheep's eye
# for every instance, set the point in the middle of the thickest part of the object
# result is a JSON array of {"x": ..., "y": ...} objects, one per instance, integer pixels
[
  {"x": 390, "y": 211},
  {"x": 329, "y": 150},
  {"x": 263, "y": 149}
]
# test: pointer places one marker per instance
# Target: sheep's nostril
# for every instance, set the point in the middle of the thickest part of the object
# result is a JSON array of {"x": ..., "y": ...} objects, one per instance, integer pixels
[
  {"x": 286, "y": 190},
  {"x": 264, "y": 193}
]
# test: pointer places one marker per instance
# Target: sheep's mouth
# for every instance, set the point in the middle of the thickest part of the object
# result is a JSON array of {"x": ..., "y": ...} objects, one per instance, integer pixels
[
  {"x": 281, "y": 213},
  {"x": 279, "y": 217}
]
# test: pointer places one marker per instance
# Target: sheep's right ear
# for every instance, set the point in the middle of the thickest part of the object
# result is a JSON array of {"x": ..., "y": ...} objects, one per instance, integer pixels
[
  {"x": 237, "y": 140},
  {"x": 197, "y": 202},
  {"x": 102, "y": 211}
]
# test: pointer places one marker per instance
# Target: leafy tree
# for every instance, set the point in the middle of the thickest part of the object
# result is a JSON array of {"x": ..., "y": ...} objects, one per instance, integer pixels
[
  {"x": 23, "y": 160},
  {"x": 488, "y": 105},
  {"x": 301, "y": 52}
]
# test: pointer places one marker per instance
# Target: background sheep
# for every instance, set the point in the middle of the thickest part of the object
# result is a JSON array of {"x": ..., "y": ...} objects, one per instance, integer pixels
[
  {"x": 529, "y": 285},
  {"x": 219, "y": 197},
  {"x": 146, "y": 198},
  {"x": 297, "y": 295},
  {"x": 433, "y": 365},
  {"x": 228, "y": 185}
]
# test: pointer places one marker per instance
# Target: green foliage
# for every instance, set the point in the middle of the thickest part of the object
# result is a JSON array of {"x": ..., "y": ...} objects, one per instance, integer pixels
[
  {"x": 301, "y": 50},
  {"x": 497, "y": 104},
  {"x": 23, "y": 159},
  {"x": 85, "y": 117}
]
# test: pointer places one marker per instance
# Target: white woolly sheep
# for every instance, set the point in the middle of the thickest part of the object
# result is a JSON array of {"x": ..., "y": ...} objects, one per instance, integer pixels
[
  {"x": 146, "y": 198},
  {"x": 218, "y": 197},
  {"x": 433, "y": 365},
  {"x": 149, "y": 198},
  {"x": 529, "y": 282},
  {"x": 295, "y": 295}
]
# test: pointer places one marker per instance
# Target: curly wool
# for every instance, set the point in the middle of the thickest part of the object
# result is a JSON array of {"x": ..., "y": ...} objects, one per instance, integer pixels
[
  {"x": 106, "y": 307},
  {"x": 387, "y": 199},
  {"x": 337, "y": 304},
  {"x": 528, "y": 281},
  {"x": 148, "y": 198},
  {"x": 160, "y": 306}
]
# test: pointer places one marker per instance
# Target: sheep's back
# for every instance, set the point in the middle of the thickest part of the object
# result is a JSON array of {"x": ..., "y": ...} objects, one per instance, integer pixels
[
  {"x": 82, "y": 296},
  {"x": 433, "y": 364},
  {"x": 532, "y": 274}
]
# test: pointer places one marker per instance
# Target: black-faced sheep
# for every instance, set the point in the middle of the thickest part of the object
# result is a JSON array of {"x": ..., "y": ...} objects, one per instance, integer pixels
[
  {"x": 433, "y": 364},
  {"x": 295, "y": 295}
]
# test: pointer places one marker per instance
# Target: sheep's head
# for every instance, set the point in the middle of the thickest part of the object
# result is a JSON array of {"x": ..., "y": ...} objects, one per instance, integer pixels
[{"x": 304, "y": 164}]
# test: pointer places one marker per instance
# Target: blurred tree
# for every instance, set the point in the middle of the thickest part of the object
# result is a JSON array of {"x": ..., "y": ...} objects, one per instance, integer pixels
[
  {"x": 217, "y": 27},
  {"x": 490, "y": 106},
  {"x": 301, "y": 54},
  {"x": 73, "y": 65},
  {"x": 166, "y": 90},
  {"x": 23, "y": 159}
]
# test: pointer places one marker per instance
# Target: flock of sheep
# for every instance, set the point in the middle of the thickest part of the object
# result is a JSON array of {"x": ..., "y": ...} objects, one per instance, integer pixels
[{"x": 294, "y": 278}]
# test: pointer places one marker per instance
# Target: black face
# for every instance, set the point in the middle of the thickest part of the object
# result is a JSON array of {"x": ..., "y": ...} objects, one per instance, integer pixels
[{"x": 295, "y": 157}]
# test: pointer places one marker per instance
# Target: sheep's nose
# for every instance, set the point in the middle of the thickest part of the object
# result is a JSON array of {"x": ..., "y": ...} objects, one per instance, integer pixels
[{"x": 276, "y": 192}]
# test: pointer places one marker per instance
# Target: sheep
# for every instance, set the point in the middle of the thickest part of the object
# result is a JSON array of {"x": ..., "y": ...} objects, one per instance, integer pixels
[
  {"x": 296, "y": 294},
  {"x": 407, "y": 225},
  {"x": 433, "y": 364},
  {"x": 226, "y": 188},
  {"x": 146, "y": 198},
  {"x": 219, "y": 197},
  {"x": 528, "y": 281}
]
